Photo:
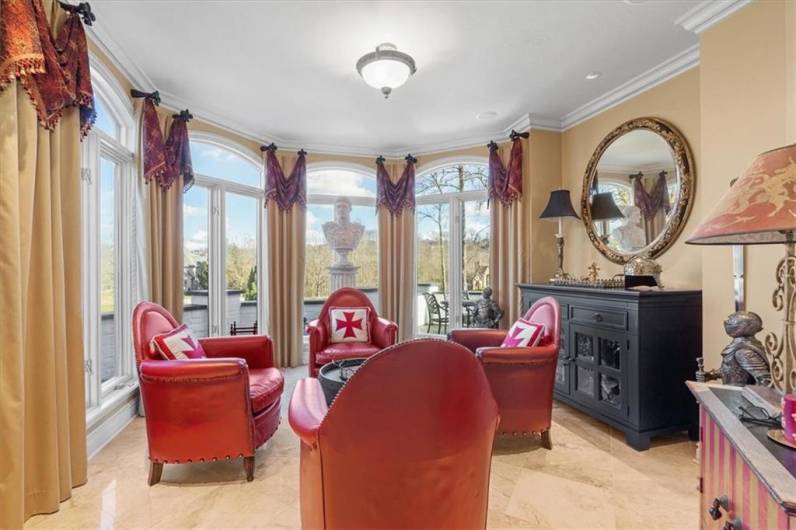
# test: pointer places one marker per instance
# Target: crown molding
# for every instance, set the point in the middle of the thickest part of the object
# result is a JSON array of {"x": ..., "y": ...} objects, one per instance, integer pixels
[
  {"x": 100, "y": 36},
  {"x": 707, "y": 13},
  {"x": 666, "y": 70}
]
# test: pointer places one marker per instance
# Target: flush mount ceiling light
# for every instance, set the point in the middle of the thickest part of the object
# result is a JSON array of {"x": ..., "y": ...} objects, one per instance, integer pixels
[
  {"x": 386, "y": 68},
  {"x": 593, "y": 75}
]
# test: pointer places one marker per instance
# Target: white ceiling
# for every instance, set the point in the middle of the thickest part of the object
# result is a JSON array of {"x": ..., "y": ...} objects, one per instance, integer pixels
[{"x": 285, "y": 70}]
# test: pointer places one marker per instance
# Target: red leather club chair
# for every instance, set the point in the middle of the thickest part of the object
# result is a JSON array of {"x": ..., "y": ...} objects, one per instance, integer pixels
[
  {"x": 225, "y": 406},
  {"x": 521, "y": 378},
  {"x": 407, "y": 442},
  {"x": 383, "y": 333}
]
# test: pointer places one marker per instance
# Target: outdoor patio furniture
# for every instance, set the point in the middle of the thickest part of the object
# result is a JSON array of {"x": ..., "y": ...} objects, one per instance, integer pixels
[{"x": 437, "y": 313}]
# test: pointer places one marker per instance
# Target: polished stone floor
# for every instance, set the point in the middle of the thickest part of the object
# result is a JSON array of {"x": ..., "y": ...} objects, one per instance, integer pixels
[{"x": 590, "y": 480}]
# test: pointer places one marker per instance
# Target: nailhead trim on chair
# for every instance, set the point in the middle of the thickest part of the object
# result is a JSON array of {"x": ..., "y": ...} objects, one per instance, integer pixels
[{"x": 215, "y": 458}]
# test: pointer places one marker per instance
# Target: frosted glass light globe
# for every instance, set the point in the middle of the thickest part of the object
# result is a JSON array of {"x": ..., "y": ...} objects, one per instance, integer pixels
[
  {"x": 386, "y": 68},
  {"x": 385, "y": 73}
]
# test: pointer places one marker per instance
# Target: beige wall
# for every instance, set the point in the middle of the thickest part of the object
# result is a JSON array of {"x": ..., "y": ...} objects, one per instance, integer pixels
[
  {"x": 746, "y": 100},
  {"x": 676, "y": 101},
  {"x": 544, "y": 168}
]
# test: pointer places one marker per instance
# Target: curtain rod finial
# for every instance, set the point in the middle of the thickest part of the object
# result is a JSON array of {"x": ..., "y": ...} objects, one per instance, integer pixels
[
  {"x": 270, "y": 147},
  {"x": 514, "y": 134},
  {"x": 302, "y": 152},
  {"x": 492, "y": 145},
  {"x": 410, "y": 159},
  {"x": 380, "y": 159},
  {"x": 83, "y": 9},
  {"x": 153, "y": 96}
]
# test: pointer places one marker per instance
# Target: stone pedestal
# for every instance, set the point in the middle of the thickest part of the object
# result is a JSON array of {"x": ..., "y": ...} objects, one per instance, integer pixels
[{"x": 343, "y": 275}]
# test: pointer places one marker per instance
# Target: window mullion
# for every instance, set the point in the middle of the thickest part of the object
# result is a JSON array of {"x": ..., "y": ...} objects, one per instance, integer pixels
[
  {"x": 217, "y": 288},
  {"x": 455, "y": 262}
]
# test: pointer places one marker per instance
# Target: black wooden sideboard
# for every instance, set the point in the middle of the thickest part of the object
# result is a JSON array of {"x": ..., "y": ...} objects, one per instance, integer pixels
[{"x": 625, "y": 356}]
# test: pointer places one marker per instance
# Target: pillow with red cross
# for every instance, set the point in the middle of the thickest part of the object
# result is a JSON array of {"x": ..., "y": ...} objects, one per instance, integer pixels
[
  {"x": 177, "y": 345},
  {"x": 349, "y": 324},
  {"x": 523, "y": 334}
]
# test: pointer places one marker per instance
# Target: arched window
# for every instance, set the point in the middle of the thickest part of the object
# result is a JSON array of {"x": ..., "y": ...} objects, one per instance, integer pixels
[
  {"x": 107, "y": 188},
  {"x": 452, "y": 243},
  {"x": 223, "y": 227},
  {"x": 331, "y": 190},
  {"x": 225, "y": 162}
]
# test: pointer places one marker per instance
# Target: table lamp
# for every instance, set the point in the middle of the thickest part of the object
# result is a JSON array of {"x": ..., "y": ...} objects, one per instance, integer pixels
[
  {"x": 558, "y": 207},
  {"x": 604, "y": 208},
  {"x": 758, "y": 209}
]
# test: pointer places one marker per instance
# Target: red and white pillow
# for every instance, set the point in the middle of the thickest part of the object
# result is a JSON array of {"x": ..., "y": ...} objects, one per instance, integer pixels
[
  {"x": 523, "y": 334},
  {"x": 177, "y": 345},
  {"x": 349, "y": 324}
]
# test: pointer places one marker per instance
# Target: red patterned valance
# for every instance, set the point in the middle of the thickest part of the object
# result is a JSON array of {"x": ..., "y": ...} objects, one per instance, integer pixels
[
  {"x": 178, "y": 152},
  {"x": 505, "y": 184},
  {"x": 153, "y": 150},
  {"x": 395, "y": 196},
  {"x": 54, "y": 72},
  {"x": 285, "y": 191},
  {"x": 73, "y": 57}
]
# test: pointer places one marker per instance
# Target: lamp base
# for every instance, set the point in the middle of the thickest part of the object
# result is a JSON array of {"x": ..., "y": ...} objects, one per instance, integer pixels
[
  {"x": 560, "y": 274},
  {"x": 782, "y": 349}
]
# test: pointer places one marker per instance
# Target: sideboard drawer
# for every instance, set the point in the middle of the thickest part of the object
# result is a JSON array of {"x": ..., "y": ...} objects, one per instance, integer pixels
[{"x": 609, "y": 318}]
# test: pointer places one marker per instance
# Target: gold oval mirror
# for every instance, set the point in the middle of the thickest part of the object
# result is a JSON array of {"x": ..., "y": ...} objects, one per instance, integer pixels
[{"x": 638, "y": 190}]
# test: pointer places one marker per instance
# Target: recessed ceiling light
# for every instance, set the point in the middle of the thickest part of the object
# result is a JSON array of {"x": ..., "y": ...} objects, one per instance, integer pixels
[
  {"x": 486, "y": 115},
  {"x": 593, "y": 75}
]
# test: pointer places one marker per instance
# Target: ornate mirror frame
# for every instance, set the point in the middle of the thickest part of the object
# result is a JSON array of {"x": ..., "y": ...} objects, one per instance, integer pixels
[{"x": 684, "y": 163}]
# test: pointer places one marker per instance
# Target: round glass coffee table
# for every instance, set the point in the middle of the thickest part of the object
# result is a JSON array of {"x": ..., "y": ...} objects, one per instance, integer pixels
[{"x": 334, "y": 375}]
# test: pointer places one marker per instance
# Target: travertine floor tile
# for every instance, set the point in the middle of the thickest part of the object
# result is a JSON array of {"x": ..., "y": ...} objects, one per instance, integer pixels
[{"x": 590, "y": 480}]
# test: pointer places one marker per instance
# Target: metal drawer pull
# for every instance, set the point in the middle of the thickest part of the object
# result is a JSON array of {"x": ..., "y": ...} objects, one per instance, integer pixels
[
  {"x": 735, "y": 524},
  {"x": 719, "y": 503},
  {"x": 597, "y": 317}
]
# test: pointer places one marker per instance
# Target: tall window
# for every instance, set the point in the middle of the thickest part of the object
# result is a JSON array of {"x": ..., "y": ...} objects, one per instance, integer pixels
[
  {"x": 338, "y": 196},
  {"x": 452, "y": 244},
  {"x": 107, "y": 188},
  {"x": 223, "y": 222}
]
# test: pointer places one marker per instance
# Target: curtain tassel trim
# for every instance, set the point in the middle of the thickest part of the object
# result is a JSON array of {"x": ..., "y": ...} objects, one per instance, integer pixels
[{"x": 53, "y": 70}]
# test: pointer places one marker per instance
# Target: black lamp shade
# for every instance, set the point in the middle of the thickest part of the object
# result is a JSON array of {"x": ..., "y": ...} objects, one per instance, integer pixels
[
  {"x": 603, "y": 207},
  {"x": 559, "y": 205}
]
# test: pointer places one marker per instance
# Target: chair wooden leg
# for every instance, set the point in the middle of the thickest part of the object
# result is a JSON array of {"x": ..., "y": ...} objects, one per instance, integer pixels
[
  {"x": 248, "y": 465},
  {"x": 155, "y": 471},
  {"x": 546, "y": 442}
]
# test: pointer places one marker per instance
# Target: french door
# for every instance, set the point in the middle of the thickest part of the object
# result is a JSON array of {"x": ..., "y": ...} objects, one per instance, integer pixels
[
  {"x": 224, "y": 255},
  {"x": 452, "y": 259}
]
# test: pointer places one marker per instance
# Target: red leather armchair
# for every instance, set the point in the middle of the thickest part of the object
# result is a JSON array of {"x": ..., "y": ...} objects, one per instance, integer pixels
[
  {"x": 521, "y": 378},
  {"x": 407, "y": 443},
  {"x": 383, "y": 333},
  {"x": 225, "y": 406}
]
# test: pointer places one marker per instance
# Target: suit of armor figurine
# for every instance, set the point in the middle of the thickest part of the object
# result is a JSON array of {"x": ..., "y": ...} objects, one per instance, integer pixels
[
  {"x": 487, "y": 313},
  {"x": 743, "y": 361}
]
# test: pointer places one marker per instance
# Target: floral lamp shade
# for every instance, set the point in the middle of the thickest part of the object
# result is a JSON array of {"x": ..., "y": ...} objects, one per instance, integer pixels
[{"x": 759, "y": 208}]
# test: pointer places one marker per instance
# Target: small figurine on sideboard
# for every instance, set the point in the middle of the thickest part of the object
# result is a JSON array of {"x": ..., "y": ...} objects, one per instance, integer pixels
[{"x": 743, "y": 361}]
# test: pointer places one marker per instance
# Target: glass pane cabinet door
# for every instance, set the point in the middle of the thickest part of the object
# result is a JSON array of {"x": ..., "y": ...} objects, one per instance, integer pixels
[
  {"x": 599, "y": 358},
  {"x": 612, "y": 355},
  {"x": 562, "y": 379}
]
